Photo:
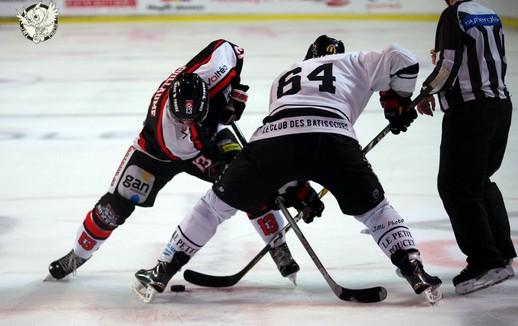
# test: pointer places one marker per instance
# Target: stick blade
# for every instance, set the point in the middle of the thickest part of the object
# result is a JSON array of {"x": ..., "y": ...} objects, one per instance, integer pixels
[
  {"x": 368, "y": 295},
  {"x": 210, "y": 281}
]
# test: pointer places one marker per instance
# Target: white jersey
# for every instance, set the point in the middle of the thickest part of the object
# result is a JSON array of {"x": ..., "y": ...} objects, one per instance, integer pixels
[{"x": 327, "y": 94}]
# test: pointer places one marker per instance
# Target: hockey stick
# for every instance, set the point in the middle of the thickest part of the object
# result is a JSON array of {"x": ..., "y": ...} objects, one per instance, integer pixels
[
  {"x": 207, "y": 280},
  {"x": 230, "y": 280},
  {"x": 239, "y": 134},
  {"x": 367, "y": 295},
  {"x": 424, "y": 93}
]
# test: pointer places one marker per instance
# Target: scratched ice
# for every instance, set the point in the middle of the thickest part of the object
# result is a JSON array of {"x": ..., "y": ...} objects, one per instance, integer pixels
[{"x": 71, "y": 106}]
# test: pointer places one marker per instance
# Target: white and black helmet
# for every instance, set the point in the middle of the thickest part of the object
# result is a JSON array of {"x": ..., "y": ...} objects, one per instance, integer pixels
[{"x": 189, "y": 98}]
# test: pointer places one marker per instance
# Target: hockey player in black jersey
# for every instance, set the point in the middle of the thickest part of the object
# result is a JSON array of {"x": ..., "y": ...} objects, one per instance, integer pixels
[
  {"x": 183, "y": 132},
  {"x": 308, "y": 135}
]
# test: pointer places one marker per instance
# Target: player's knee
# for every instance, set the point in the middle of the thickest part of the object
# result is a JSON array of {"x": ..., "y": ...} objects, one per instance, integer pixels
[
  {"x": 259, "y": 212},
  {"x": 195, "y": 230},
  {"x": 214, "y": 207},
  {"x": 372, "y": 214},
  {"x": 112, "y": 211}
]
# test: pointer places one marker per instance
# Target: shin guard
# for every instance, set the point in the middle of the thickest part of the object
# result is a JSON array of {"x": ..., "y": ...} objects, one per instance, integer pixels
[
  {"x": 198, "y": 227},
  {"x": 268, "y": 225},
  {"x": 90, "y": 236},
  {"x": 387, "y": 228}
]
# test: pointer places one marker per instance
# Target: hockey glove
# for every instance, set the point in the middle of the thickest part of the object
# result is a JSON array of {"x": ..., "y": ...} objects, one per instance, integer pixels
[
  {"x": 396, "y": 110},
  {"x": 227, "y": 152},
  {"x": 236, "y": 104},
  {"x": 216, "y": 170},
  {"x": 305, "y": 199},
  {"x": 228, "y": 145}
]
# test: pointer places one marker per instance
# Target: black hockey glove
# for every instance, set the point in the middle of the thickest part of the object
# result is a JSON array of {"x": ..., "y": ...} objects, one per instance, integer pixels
[
  {"x": 227, "y": 152},
  {"x": 236, "y": 104},
  {"x": 396, "y": 110},
  {"x": 227, "y": 144},
  {"x": 216, "y": 170},
  {"x": 305, "y": 199},
  {"x": 221, "y": 151}
]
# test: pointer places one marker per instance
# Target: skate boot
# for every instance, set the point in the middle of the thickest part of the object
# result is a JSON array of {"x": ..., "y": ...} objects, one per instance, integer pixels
[
  {"x": 285, "y": 263},
  {"x": 411, "y": 268},
  {"x": 473, "y": 278},
  {"x": 65, "y": 265},
  {"x": 154, "y": 280}
]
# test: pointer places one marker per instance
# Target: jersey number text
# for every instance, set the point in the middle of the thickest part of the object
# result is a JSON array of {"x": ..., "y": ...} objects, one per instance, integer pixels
[{"x": 289, "y": 83}]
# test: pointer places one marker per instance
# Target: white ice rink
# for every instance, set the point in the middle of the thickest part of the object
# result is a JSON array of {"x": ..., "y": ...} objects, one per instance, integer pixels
[{"x": 71, "y": 106}]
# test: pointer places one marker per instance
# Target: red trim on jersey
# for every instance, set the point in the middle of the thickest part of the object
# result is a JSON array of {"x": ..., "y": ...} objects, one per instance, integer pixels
[
  {"x": 94, "y": 229},
  {"x": 141, "y": 141},
  {"x": 207, "y": 59},
  {"x": 195, "y": 137},
  {"x": 159, "y": 134},
  {"x": 224, "y": 83}
]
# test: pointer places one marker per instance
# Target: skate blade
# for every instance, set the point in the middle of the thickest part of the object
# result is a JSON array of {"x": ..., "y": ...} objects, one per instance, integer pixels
[
  {"x": 144, "y": 293},
  {"x": 293, "y": 278},
  {"x": 433, "y": 295},
  {"x": 50, "y": 278}
]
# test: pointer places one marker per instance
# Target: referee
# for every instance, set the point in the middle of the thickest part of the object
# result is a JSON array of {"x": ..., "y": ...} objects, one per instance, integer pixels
[{"x": 469, "y": 78}]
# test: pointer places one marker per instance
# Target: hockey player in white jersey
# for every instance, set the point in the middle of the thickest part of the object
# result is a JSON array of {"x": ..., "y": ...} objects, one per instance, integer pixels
[{"x": 309, "y": 135}]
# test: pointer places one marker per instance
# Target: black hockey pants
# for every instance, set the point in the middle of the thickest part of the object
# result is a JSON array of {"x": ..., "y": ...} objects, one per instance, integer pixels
[{"x": 252, "y": 180}]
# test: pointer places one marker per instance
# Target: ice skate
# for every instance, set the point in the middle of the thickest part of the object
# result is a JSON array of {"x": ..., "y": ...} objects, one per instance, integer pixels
[
  {"x": 287, "y": 266},
  {"x": 64, "y": 266},
  {"x": 509, "y": 267},
  {"x": 411, "y": 268},
  {"x": 473, "y": 278},
  {"x": 154, "y": 280}
]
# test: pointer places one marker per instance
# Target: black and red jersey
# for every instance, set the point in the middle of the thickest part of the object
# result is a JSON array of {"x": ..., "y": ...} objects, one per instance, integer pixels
[{"x": 219, "y": 65}]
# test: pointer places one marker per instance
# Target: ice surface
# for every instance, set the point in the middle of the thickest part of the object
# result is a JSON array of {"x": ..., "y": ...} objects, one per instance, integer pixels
[{"x": 70, "y": 107}]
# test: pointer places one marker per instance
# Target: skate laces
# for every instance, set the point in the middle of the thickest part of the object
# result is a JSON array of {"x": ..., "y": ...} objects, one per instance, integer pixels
[
  {"x": 160, "y": 269},
  {"x": 415, "y": 257},
  {"x": 160, "y": 274},
  {"x": 71, "y": 262},
  {"x": 281, "y": 255},
  {"x": 413, "y": 266}
]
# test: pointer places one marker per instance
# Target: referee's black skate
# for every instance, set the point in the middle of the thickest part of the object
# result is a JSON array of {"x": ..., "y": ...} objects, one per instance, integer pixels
[
  {"x": 64, "y": 266},
  {"x": 411, "y": 268},
  {"x": 286, "y": 265},
  {"x": 154, "y": 280},
  {"x": 474, "y": 278}
]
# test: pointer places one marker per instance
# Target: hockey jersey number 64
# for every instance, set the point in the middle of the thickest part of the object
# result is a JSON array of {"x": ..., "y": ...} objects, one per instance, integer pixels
[{"x": 327, "y": 94}]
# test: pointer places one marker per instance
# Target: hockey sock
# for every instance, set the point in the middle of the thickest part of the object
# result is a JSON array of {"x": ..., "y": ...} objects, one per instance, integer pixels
[
  {"x": 387, "y": 228},
  {"x": 268, "y": 225},
  {"x": 90, "y": 236},
  {"x": 198, "y": 226}
]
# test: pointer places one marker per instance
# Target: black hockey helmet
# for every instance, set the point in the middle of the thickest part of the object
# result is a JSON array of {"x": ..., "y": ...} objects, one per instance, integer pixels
[
  {"x": 189, "y": 98},
  {"x": 324, "y": 45}
]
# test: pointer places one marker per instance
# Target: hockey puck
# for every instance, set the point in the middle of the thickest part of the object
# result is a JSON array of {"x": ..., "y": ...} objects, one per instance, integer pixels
[{"x": 177, "y": 288}]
